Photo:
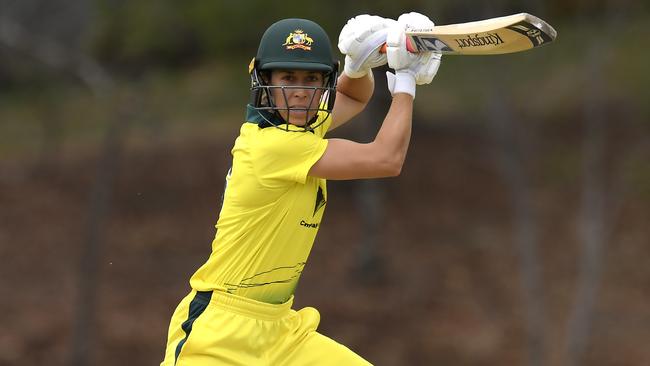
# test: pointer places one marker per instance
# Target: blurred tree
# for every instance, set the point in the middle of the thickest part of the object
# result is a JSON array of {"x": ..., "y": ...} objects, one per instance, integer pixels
[
  {"x": 139, "y": 36},
  {"x": 135, "y": 37},
  {"x": 370, "y": 192},
  {"x": 515, "y": 152},
  {"x": 62, "y": 52},
  {"x": 596, "y": 213}
]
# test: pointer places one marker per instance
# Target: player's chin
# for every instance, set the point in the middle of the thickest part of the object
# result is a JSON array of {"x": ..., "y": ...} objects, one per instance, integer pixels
[{"x": 300, "y": 118}]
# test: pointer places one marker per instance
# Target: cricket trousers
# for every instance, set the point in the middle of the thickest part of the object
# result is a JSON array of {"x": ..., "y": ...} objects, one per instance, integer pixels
[{"x": 216, "y": 328}]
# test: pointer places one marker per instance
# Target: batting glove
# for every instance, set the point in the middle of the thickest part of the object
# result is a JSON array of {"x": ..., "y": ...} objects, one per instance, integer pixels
[
  {"x": 360, "y": 41},
  {"x": 411, "y": 69}
]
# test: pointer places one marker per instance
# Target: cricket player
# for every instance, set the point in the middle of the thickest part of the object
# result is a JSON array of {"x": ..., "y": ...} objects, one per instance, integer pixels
[{"x": 239, "y": 310}]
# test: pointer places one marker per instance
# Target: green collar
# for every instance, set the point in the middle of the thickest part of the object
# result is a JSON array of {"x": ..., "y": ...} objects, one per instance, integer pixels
[
  {"x": 262, "y": 118},
  {"x": 268, "y": 119}
]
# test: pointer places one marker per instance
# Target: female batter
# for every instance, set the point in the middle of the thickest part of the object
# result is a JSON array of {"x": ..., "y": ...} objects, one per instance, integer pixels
[{"x": 239, "y": 309}]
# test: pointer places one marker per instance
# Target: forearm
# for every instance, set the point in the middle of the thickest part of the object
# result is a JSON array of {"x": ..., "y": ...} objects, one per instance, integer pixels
[
  {"x": 393, "y": 138},
  {"x": 357, "y": 89}
]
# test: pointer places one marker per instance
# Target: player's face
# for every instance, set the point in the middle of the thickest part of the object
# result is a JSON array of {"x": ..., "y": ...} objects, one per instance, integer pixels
[{"x": 296, "y": 105}]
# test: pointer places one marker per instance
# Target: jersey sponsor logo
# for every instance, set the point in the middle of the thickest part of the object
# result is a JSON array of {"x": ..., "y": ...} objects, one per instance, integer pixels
[
  {"x": 298, "y": 39},
  {"x": 309, "y": 224}
]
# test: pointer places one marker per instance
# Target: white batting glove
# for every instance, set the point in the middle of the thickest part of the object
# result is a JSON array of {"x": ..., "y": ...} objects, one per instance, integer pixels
[
  {"x": 422, "y": 67},
  {"x": 360, "y": 40},
  {"x": 416, "y": 22}
]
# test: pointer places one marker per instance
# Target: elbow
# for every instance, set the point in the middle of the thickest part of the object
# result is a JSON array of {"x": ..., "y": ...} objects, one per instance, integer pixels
[
  {"x": 386, "y": 161},
  {"x": 393, "y": 167},
  {"x": 396, "y": 170}
]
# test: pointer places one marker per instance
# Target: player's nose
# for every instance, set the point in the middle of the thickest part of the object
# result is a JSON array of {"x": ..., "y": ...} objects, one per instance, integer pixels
[{"x": 301, "y": 92}]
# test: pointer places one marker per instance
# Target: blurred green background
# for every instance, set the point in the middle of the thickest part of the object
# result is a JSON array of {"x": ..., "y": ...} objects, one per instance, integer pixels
[{"x": 517, "y": 233}]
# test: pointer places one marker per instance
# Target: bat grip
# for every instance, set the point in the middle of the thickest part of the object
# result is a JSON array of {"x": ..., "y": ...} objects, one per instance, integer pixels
[{"x": 409, "y": 46}]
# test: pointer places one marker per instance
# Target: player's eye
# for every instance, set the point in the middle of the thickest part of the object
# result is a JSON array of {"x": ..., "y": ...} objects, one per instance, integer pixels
[{"x": 315, "y": 79}]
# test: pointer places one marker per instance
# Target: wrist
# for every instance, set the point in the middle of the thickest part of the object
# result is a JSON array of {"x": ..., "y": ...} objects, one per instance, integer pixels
[{"x": 404, "y": 82}]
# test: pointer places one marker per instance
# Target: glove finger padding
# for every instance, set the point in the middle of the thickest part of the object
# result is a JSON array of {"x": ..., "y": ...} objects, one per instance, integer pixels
[
  {"x": 368, "y": 53},
  {"x": 360, "y": 40},
  {"x": 357, "y": 29},
  {"x": 424, "y": 65},
  {"x": 428, "y": 68},
  {"x": 415, "y": 22},
  {"x": 397, "y": 55}
]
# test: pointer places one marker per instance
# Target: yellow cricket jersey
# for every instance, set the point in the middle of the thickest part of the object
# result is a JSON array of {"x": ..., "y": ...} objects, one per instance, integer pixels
[{"x": 270, "y": 215}]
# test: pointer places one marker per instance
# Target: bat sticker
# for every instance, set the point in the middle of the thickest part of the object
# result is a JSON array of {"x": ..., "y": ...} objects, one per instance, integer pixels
[
  {"x": 536, "y": 36},
  {"x": 429, "y": 43}
]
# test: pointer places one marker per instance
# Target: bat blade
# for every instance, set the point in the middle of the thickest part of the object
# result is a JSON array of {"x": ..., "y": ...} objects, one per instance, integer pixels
[{"x": 508, "y": 34}]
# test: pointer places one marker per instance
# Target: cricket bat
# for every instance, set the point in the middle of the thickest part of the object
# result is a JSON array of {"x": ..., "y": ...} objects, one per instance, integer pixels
[{"x": 508, "y": 34}]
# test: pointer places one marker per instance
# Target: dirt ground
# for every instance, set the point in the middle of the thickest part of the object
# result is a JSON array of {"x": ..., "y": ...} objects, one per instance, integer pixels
[{"x": 441, "y": 285}]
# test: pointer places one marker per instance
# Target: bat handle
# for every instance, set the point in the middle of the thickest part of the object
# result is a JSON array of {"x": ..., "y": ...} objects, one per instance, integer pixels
[{"x": 409, "y": 47}]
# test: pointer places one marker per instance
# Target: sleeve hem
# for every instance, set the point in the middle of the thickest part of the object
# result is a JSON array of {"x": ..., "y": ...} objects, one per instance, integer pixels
[{"x": 301, "y": 177}]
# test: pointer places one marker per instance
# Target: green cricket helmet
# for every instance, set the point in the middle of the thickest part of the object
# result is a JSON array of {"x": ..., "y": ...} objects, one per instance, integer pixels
[{"x": 293, "y": 44}]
